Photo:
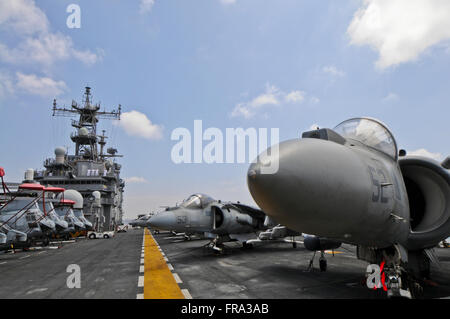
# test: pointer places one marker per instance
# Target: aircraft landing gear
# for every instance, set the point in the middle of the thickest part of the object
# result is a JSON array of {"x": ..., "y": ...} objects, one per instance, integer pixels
[
  {"x": 399, "y": 283},
  {"x": 216, "y": 246},
  {"x": 246, "y": 245},
  {"x": 46, "y": 242},
  {"x": 322, "y": 262}
]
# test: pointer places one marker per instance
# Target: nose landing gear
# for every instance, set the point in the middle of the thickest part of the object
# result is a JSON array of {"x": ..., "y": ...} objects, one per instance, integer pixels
[{"x": 322, "y": 262}]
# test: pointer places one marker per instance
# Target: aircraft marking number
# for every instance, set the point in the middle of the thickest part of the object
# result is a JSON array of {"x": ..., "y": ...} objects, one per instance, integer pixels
[{"x": 378, "y": 195}]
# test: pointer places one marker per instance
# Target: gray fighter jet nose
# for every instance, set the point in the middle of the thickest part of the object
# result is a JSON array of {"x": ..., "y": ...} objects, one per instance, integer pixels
[
  {"x": 315, "y": 182},
  {"x": 164, "y": 220}
]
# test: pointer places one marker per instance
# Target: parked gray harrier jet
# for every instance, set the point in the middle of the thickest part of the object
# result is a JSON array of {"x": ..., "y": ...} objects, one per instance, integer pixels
[
  {"x": 349, "y": 185},
  {"x": 220, "y": 221},
  {"x": 140, "y": 221}
]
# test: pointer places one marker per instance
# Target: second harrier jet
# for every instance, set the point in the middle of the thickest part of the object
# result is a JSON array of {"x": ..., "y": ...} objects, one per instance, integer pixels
[{"x": 220, "y": 221}]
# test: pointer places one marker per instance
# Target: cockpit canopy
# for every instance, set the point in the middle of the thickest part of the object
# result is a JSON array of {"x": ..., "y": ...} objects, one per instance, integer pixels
[
  {"x": 197, "y": 201},
  {"x": 369, "y": 132},
  {"x": 20, "y": 203}
]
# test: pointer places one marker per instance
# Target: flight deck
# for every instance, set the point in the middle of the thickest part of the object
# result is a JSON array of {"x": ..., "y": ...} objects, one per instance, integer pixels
[
  {"x": 137, "y": 264},
  {"x": 278, "y": 271}
]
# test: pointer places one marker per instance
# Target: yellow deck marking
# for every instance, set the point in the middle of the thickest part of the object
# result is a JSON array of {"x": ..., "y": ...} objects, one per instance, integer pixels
[
  {"x": 159, "y": 282},
  {"x": 331, "y": 252}
]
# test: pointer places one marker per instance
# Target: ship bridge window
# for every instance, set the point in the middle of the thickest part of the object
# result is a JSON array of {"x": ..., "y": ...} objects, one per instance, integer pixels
[{"x": 369, "y": 132}]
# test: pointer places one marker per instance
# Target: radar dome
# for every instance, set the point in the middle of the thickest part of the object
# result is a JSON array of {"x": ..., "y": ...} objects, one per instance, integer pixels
[
  {"x": 97, "y": 199},
  {"x": 109, "y": 164},
  {"x": 83, "y": 131},
  {"x": 29, "y": 174},
  {"x": 61, "y": 151}
]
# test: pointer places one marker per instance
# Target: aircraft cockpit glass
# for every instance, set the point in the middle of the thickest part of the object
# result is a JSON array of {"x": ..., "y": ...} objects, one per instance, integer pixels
[
  {"x": 48, "y": 207},
  {"x": 369, "y": 132},
  {"x": 197, "y": 201},
  {"x": 19, "y": 204},
  {"x": 192, "y": 202},
  {"x": 205, "y": 199}
]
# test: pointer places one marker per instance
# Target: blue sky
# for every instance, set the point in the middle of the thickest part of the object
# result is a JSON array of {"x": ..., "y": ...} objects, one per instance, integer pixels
[{"x": 286, "y": 64}]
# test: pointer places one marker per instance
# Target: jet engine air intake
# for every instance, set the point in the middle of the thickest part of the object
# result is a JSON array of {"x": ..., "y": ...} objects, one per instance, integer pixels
[
  {"x": 229, "y": 220},
  {"x": 218, "y": 217},
  {"x": 428, "y": 187}
]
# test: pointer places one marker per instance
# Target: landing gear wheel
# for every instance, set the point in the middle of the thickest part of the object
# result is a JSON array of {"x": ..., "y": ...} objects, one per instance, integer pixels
[
  {"x": 245, "y": 245},
  {"x": 27, "y": 245},
  {"x": 323, "y": 264},
  {"x": 294, "y": 245}
]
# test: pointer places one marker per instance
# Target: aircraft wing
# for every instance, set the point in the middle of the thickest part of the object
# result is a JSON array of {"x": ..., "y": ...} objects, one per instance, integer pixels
[{"x": 253, "y": 212}]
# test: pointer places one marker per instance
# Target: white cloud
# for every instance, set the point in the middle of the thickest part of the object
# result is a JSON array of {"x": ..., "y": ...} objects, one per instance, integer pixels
[
  {"x": 314, "y": 100},
  {"x": 135, "y": 180},
  {"x": 88, "y": 57},
  {"x": 35, "y": 42},
  {"x": 146, "y": 6},
  {"x": 242, "y": 110},
  {"x": 46, "y": 49},
  {"x": 400, "y": 30},
  {"x": 425, "y": 153},
  {"x": 44, "y": 86},
  {"x": 273, "y": 96},
  {"x": 22, "y": 16},
  {"x": 332, "y": 70},
  {"x": 138, "y": 124},
  {"x": 295, "y": 97},
  {"x": 225, "y": 2},
  {"x": 6, "y": 85}
]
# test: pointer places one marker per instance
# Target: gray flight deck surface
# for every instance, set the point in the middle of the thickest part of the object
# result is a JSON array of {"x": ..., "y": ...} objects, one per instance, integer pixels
[
  {"x": 277, "y": 271},
  {"x": 109, "y": 269}
]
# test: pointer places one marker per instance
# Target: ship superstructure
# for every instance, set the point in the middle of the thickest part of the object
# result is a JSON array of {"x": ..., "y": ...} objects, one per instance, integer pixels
[{"x": 90, "y": 170}]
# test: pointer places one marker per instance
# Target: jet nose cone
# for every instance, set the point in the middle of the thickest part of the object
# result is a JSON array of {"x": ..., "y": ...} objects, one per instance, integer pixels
[
  {"x": 265, "y": 184},
  {"x": 314, "y": 189},
  {"x": 163, "y": 220}
]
